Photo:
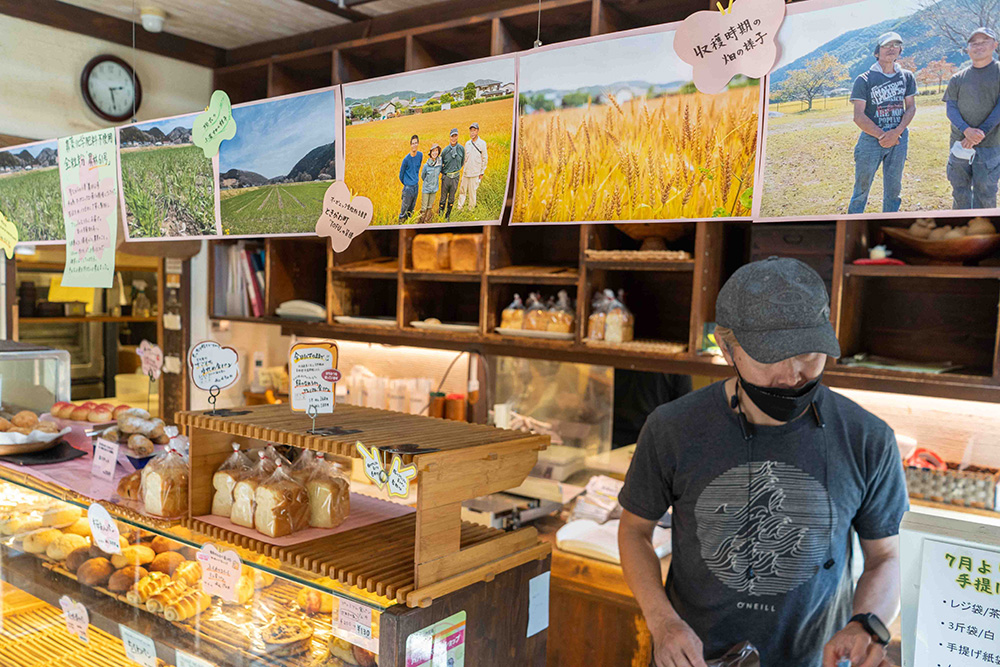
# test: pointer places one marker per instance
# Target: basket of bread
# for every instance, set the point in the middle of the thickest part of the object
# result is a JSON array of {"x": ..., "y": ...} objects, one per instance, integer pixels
[
  {"x": 971, "y": 242},
  {"x": 24, "y": 432}
]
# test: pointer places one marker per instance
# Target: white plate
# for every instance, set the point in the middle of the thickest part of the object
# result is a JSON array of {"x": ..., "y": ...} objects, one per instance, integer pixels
[
  {"x": 364, "y": 321},
  {"x": 457, "y": 328},
  {"x": 529, "y": 333}
]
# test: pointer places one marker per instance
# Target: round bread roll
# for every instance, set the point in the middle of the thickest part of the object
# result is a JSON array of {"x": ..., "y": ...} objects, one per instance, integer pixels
[
  {"x": 981, "y": 226},
  {"x": 80, "y": 527},
  {"x": 37, "y": 541},
  {"x": 956, "y": 233},
  {"x": 140, "y": 444},
  {"x": 95, "y": 572},
  {"x": 24, "y": 419},
  {"x": 76, "y": 558},
  {"x": 938, "y": 233},
  {"x": 4, "y": 425},
  {"x": 80, "y": 414},
  {"x": 61, "y": 516},
  {"x": 162, "y": 545},
  {"x": 156, "y": 429},
  {"x": 100, "y": 416},
  {"x": 23, "y": 430},
  {"x": 129, "y": 424},
  {"x": 166, "y": 562},
  {"x": 137, "y": 554},
  {"x": 125, "y": 578},
  {"x": 61, "y": 547}
]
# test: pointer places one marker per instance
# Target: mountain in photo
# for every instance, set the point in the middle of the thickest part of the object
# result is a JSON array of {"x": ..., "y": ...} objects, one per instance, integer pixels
[
  {"x": 378, "y": 100},
  {"x": 156, "y": 133},
  {"x": 179, "y": 135},
  {"x": 47, "y": 157},
  {"x": 133, "y": 135},
  {"x": 319, "y": 160},
  {"x": 25, "y": 158},
  {"x": 237, "y": 178},
  {"x": 921, "y": 40}
]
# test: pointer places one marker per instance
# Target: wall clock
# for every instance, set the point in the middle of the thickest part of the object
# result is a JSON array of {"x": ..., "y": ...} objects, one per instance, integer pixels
[{"x": 109, "y": 87}]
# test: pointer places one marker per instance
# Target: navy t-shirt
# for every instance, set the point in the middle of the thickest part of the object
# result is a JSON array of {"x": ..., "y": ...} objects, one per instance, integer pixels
[
  {"x": 808, "y": 487},
  {"x": 884, "y": 95}
]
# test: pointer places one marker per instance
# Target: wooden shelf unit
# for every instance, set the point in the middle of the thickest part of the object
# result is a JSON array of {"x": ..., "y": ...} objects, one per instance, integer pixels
[
  {"x": 87, "y": 318},
  {"x": 413, "y": 559}
]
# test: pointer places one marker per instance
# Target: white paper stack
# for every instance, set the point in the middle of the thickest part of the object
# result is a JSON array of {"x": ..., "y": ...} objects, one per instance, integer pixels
[
  {"x": 600, "y": 541},
  {"x": 600, "y": 502}
]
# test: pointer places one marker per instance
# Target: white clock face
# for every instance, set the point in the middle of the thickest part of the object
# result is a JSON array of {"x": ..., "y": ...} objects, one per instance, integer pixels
[{"x": 111, "y": 88}]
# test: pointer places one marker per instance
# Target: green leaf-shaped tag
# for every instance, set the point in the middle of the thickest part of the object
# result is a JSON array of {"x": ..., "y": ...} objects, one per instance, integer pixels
[{"x": 215, "y": 124}]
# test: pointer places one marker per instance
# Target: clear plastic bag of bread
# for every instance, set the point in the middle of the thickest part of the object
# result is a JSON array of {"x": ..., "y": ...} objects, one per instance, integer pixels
[
  {"x": 245, "y": 490},
  {"x": 619, "y": 323},
  {"x": 598, "y": 314},
  {"x": 329, "y": 489},
  {"x": 536, "y": 313},
  {"x": 232, "y": 470},
  {"x": 512, "y": 317},
  {"x": 562, "y": 314},
  {"x": 281, "y": 504},
  {"x": 302, "y": 469},
  {"x": 164, "y": 485},
  {"x": 742, "y": 655}
]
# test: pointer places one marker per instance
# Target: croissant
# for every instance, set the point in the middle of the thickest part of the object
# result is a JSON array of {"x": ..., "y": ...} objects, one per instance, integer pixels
[
  {"x": 188, "y": 572},
  {"x": 158, "y": 602},
  {"x": 150, "y": 585},
  {"x": 192, "y": 603}
]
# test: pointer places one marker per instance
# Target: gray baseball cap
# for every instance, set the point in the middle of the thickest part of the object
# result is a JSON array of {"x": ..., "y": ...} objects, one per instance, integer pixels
[
  {"x": 982, "y": 31},
  {"x": 453, "y": 132},
  {"x": 474, "y": 125},
  {"x": 777, "y": 308}
]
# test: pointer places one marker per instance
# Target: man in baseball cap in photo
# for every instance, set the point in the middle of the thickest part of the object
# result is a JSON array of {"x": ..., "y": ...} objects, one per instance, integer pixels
[
  {"x": 973, "y": 107},
  {"x": 766, "y": 474}
]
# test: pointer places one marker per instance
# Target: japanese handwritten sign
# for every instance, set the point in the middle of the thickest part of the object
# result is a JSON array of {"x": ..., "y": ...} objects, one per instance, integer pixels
[
  {"x": 721, "y": 45},
  {"x": 214, "y": 125},
  {"x": 76, "y": 617},
  {"x": 152, "y": 359},
  {"x": 8, "y": 235},
  {"x": 958, "y": 615},
  {"x": 396, "y": 479},
  {"x": 139, "y": 648},
  {"x": 343, "y": 217},
  {"x": 353, "y": 622},
  {"x": 220, "y": 571},
  {"x": 88, "y": 179},
  {"x": 213, "y": 365},
  {"x": 313, "y": 372},
  {"x": 439, "y": 645},
  {"x": 103, "y": 530}
]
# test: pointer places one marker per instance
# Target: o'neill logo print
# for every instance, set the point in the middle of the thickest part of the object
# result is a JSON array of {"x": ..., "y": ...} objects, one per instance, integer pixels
[{"x": 783, "y": 532}]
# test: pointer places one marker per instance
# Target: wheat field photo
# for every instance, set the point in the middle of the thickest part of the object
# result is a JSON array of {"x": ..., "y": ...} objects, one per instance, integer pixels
[{"x": 30, "y": 196}]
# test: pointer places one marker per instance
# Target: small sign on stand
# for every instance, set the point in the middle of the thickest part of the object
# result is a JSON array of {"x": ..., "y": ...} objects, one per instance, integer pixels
[
  {"x": 151, "y": 357},
  {"x": 213, "y": 368},
  {"x": 313, "y": 375},
  {"x": 395, "y": 479}
]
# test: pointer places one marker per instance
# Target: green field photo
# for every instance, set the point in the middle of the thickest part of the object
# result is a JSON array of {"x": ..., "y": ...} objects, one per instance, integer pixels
[
  {"x": 272, "y": 209},
  {"x": 30, "y": 196}
]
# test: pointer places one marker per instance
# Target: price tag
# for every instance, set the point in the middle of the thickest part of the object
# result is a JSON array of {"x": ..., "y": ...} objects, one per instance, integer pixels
[
  {"x": 76, "y": 616},
  {"x": 138, "y": 647},
  {"x": 313, "y": 371},
  {"x": 103, "y": 530},
  {"x": 187, "y": 660},
  {"x": 105, "y": 458},
  {"x": 353, "y": 623},
  {"x": 220, "y": 572}
]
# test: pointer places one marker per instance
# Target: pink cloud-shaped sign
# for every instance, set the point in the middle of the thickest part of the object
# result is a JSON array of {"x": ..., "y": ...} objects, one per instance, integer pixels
[
  {"x": 343, "y": 217},
  {"x": 719, "y": 46}
]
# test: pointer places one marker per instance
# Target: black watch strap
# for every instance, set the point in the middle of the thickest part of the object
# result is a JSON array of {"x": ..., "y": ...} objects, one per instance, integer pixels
[{"x": 874, "y": 626}]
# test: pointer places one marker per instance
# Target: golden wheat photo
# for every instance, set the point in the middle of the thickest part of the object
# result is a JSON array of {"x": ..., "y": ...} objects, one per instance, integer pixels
[{"x": 604, "y": 136}]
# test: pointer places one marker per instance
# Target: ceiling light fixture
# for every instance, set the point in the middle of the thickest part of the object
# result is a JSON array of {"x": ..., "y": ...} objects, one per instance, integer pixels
[{"x": 152, "y": 18}]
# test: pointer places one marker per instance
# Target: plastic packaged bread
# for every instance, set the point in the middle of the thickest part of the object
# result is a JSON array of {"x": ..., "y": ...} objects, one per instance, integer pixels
[
  {"x": 512, "y": 317},
  {"x": 245, "y": 491},
  {"x": 164, "y": 486},
  {"x": 282, "y": 505},
  {"x": 562, "y": 316},
  {"x": 536, "y": 316},
  {"x": 302, "y": 469},
  {"x": 430, "y": 252},
  {"x": 465, "y": 251},
  {"x": 619, "y": 324},
  {"x": 232, "y": 470},
  {"x": 598, "y": 314},
  {"x": 329, "y": 491}
]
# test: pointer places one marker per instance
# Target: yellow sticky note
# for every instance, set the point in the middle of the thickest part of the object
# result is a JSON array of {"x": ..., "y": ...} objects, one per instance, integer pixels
[{"x": 8, "y": 235}]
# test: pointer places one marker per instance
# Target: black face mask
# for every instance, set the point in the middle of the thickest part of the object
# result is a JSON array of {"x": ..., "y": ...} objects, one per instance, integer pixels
[{"x": 779, "y": 403}]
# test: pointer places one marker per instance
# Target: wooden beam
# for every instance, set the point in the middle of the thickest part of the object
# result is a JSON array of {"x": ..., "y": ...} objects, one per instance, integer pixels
[
  {"x": 417, "y": 56},
  {"x": 331, "y": 6},
  {"x": 11, "y": 140},
  {"x": 501, "y": 41},
  {"x": 457, "y": 13},
  {"x": 94, "y": 24},
  {"x": 604, "y": 18}
]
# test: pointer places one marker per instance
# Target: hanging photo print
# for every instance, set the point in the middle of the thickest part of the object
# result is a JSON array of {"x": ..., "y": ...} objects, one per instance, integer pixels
[
  {"x": 612, "y": 129},
  {"x": 274, "y": 173},
  {"x": 882, "y": 109},
  {"x": 432, "y": 147},
  {"x": 167, "y": 184},
  {"x": 30, "y": 197}
]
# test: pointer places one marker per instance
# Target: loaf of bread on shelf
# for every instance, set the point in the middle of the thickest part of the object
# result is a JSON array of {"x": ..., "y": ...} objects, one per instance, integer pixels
[
  {"x": 329, "y": 495},
  {"x": 172, "y": 592},
  {"x": 128, "y": 487},
  {"x": 166, "y": 562},
  {"x": 61, "y": 516},
  {"x": 465, "y": 251},
  {"x": 147, "y": 587},
  {"x": 282, "y": 505},
  {"x": 188, "y": 605},
  {"x": 188, "y": 573},
  {"x": 430, "y": 252},
  {"x": 245, "y": 490},
  {"x": 76, "y": 558},
  {"x": 165, "y": 485},
  {"x": 80, "y": 527},
  {"x": 38, "y": 541},
  {"x": 232, "y": 470},
  {"x": 286, "y": 637}
]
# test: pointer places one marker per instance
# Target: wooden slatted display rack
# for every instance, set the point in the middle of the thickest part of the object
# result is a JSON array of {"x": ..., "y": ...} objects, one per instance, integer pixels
[{"x": 413, "y": 559}]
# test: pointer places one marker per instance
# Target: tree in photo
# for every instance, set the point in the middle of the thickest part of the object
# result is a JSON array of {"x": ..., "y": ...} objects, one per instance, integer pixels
[
  {"x": 955, "y": 19},
  {"x": 909, "y": 62},
  {"x": 818, "y": 75},
  {"x": 470, "y": 91},
  {"x": 936, "y": 72},
  {"x": 447, "y": 98}
]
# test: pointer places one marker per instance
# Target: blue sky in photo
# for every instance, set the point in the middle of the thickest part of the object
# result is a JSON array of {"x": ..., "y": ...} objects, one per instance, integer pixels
[
  {"x": 272, "y": 136},
  {"x": 445, "y": 78},
  {"x": 187, "y": 122},
  {"x": 32, "y": 150}
]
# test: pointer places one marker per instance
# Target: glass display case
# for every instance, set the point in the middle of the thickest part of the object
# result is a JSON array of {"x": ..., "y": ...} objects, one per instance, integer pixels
[{"x": 32, "y": 377}]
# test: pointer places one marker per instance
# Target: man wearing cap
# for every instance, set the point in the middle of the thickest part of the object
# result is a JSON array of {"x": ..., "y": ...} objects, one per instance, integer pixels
[
  {"x": 884, "y": 105},
  {"x": 973, "y": 99},
  {"x": 452, "y": 159},
  {"x": 766, "y": 475},
  {"x": 476, "y": 159}
]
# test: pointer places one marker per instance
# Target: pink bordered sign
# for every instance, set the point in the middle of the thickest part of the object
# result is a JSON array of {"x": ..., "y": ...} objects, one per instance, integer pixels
[
  {"x": 721, "y": 44},
  {"x": 313, "y": 373}
]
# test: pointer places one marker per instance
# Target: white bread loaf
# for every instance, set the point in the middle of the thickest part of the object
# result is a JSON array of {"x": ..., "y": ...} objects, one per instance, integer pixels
[
  {"x": 282, "y": 507},
  {"x": 224, "y": 482},
  {"x": 244, "y": 493},
  {"x": 329, "y": 501}
]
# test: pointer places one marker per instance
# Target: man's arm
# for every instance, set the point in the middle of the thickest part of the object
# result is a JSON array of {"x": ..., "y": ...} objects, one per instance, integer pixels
[
  {"x": 866, "y": 124},
  {"x": 675, "y": 642},
  {"x": 891, "y": 138},
  {"x": 402, "y": 168},
  {"x": 877, "y": 593},
  {"x": 486, "y": 158}
]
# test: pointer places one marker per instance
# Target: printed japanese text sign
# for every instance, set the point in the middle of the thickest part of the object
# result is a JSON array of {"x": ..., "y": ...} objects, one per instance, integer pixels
[
  {"x": 439, "y": 645},
  {"x": 88, "y": 166},
  {"x": 103, "y": 530},
  {"x": 958, "y": 614},
  {"x": 76, "y": 616},
  {"x": 313, "y": 372},
  {"x": 740, "y": 41},
  {"x": 353, "y": 623},
  {"x": 213, "y": 365},
  {"x": 187, "y": 660},
  {"x": 105, "y": 458}
]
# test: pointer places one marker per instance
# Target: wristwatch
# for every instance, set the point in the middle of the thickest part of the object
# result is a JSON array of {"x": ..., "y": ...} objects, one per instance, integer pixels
[{"x": 874, "y": 626}]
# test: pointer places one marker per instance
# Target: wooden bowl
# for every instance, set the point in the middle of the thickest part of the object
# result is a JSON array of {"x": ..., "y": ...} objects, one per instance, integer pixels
[{"x": 965, "y": 249}]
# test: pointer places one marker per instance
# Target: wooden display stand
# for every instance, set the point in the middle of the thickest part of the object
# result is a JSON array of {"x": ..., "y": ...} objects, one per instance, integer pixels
[{"x": 413, "y": 559}]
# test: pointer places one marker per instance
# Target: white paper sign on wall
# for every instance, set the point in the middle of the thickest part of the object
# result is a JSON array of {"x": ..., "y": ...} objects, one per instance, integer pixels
[
  {"x": 220, "y": 571},
  {"x": 213, "y": 365},
  {"x": 103, "y": 530},
  {"x": 76, "y": 617},
  {"x": 138, "y": 647}
]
